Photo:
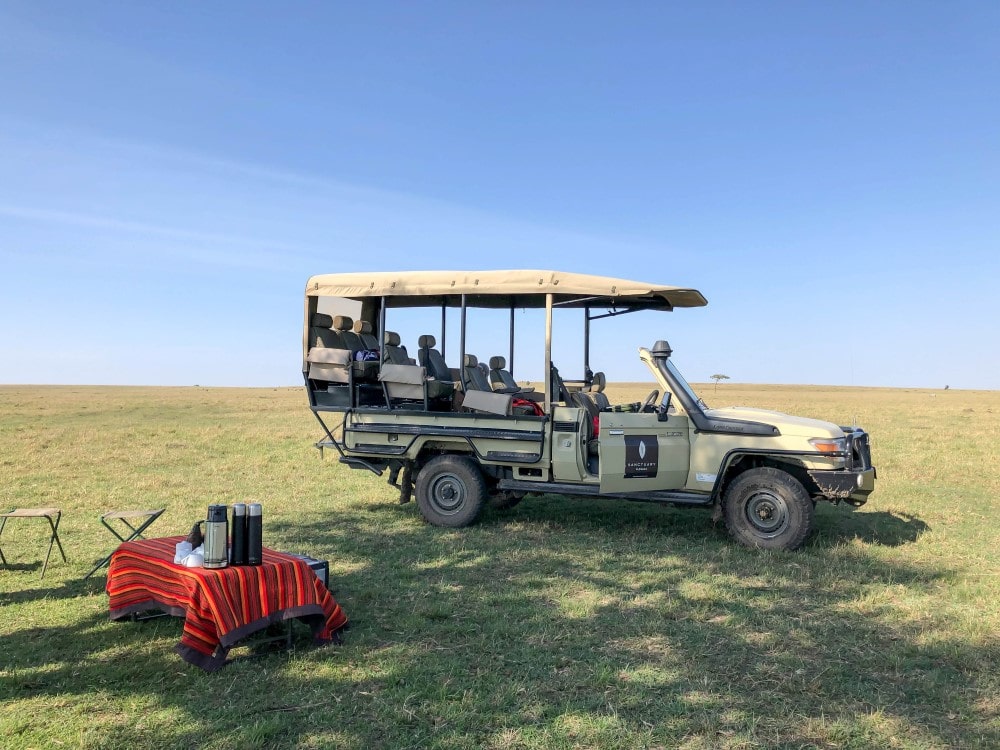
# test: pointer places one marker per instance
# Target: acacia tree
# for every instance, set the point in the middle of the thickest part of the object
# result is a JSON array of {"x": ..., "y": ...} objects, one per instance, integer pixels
[{"x": 717, "y": 377}]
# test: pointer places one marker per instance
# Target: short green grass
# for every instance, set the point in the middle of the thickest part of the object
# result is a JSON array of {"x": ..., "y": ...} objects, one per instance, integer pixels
[{"x": 562, "y": 623}]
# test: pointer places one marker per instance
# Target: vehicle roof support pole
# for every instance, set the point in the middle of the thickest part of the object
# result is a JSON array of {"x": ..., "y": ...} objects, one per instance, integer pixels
[
  {"x": 461, "y": 344},
  {"x": 510, "y": 340},
  {"x": 548, "y": 353},
  {"x": 444, "y": 310},
  {"x": 586, "y": 340},
  {"x": 381, "y": 332}
]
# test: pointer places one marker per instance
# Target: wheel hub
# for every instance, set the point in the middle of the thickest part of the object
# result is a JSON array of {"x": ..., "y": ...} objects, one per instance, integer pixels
[
  {"x": 767, "y": 513},
  {"x": 448, "y": 494}
]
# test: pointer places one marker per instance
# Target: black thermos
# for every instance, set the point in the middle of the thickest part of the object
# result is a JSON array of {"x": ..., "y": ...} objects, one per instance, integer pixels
[
  {"x": 239, "y": 534},
  {"x": 255, "y": 530}
]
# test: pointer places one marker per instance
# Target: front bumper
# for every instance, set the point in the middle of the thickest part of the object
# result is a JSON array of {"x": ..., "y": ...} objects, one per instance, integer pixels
[
  {"x": 856, "y": 481},
  {"x": 852, "y": 486}
]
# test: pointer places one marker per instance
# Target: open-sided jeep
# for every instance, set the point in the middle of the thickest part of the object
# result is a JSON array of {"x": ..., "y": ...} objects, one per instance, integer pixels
[{"x": 468, "y": 435}]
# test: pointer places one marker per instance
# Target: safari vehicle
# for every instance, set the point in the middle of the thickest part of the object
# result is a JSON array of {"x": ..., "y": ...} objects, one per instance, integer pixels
[{"x": 461, "y": 437}]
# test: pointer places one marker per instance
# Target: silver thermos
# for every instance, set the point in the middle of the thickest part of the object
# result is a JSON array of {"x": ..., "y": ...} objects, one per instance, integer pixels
[{"x": 217, "y": 537}]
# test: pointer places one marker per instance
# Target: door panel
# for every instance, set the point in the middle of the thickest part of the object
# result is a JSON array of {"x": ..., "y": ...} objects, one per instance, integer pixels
[{"x": 639, "y": 453}]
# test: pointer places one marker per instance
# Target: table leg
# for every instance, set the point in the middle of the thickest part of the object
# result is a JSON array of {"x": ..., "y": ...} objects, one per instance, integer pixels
[{"x": 54, "y": 539}]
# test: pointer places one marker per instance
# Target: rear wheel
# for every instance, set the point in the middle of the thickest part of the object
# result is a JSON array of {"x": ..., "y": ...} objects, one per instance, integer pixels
[
  {"x": 450, "y": 491},
  {"x": 769, "y": 509}
]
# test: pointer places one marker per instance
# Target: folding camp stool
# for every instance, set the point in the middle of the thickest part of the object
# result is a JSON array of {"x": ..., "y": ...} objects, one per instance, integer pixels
[
  {"x": 125, "y": 518},
  {"x": 51, "y": 514}
]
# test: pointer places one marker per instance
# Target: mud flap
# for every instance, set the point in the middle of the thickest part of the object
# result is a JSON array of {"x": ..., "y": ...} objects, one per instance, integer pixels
[{"x": 404, "y": 484}]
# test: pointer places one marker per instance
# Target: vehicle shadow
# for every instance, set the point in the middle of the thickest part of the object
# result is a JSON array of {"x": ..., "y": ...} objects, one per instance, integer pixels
[
  {"x": 834, "y": 524},
  {"x": 883, "y": 528}
]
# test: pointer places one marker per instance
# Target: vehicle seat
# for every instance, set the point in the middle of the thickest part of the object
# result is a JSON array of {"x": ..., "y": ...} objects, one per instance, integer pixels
[
  {"x": 407, "y": 382},
  {"x": 328, "y": 359},
  {"x": 321, "y": 332},
  {"x": 436, "y": 367},
  {"x": 366, "y": 370},
  {"x": 559, "y": 390},
  {"x": 345, "y": 326},
  {"x": 431, "y": 359},
  {"x": 488, "y": 402},
  {"x": 472, "y": 377},
  {"x": 502, "y": 380},
  {"x": 395, "y": 353},
  {"x": 596, "y": 392},
  {"x": 364, "y": 331}
]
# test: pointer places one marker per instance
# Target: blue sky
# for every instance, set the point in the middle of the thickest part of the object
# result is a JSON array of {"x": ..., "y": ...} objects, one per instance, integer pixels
[{"x": 828, "y": 175}]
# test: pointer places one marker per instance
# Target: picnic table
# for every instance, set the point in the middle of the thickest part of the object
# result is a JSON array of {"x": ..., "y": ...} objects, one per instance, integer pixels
[{"x": 220, "y": 606}]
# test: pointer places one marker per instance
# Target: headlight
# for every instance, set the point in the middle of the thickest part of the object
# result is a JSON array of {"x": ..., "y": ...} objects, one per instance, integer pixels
[{"x": 829, "y": 445}]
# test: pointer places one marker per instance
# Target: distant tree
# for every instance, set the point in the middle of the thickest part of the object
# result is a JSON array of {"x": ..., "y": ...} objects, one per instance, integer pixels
[{"x": 717, "y": 377}]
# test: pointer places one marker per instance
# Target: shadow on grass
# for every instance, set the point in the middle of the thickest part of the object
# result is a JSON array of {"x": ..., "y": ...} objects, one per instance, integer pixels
[
  {"x": 43, "y": 592},
  {"x": 883, "y": 528},
  {"x": 21, "y": 567},
  {"x": 834, "y": 524},
  {"x": 557, "y": 624},
  {"x": 612, "y": 618}
]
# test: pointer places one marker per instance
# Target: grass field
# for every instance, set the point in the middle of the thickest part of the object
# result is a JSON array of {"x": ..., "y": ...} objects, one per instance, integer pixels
[{"x": 557, "y": 624}]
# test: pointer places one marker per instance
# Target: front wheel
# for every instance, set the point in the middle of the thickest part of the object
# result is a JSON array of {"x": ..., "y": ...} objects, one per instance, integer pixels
[
  {"x": 450, "y": 491},
  {"x": 768, "y": 509}
]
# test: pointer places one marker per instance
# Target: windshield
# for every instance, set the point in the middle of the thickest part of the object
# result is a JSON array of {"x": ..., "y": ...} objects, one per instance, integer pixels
[{"x": 679, "y": 379}]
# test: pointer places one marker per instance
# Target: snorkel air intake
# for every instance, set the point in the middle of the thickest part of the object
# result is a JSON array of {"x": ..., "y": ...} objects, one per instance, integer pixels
[{"x": 661, "y": 350}]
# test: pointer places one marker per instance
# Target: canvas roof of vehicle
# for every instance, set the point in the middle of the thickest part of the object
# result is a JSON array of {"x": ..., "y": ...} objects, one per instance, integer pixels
[{"x": 502, "y": 289}]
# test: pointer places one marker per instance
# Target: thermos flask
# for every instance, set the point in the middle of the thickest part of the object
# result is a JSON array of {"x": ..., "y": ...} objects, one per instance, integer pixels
[
  {"x": 239, "y": 534},
  {"x": 255, "y": 530},
  {"x": 217, "y": 537}
]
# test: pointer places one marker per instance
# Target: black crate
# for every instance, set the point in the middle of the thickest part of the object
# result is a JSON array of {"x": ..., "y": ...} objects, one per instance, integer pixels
[{"x": 320, "y": 567}]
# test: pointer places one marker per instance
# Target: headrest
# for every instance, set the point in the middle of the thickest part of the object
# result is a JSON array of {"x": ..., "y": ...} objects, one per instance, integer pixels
[
  {"x": 362, "y": 326},
  {"x": 321, "y": 320},
  {"x": 426, "y": 341},
  {"x": 391, "y": 338},
  {"x": 471, "y": 361},
  {"x": 597, "y": 386},
  {"x": 497, "y": 363},
  {"x": 342, "y": 322}
]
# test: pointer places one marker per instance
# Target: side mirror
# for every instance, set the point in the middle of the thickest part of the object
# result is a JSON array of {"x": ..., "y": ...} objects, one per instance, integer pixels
[{"x": 662, "y": 411}]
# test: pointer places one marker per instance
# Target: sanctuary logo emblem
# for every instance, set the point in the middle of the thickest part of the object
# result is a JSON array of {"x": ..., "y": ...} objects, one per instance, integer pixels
[{"x": 642, "y": 456}]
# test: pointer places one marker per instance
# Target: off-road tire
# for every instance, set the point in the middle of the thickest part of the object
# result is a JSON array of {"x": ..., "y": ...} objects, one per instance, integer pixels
[
  {"x": 767, "y": 508},
  {"x": 450, "y": 491}
]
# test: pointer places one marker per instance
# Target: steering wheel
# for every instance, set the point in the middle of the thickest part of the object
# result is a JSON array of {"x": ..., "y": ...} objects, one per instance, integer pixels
[{"x": 648, "y": 406}]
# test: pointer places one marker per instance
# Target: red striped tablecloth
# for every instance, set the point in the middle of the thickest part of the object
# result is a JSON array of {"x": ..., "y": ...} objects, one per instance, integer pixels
[{"x": 221, "y": 606}]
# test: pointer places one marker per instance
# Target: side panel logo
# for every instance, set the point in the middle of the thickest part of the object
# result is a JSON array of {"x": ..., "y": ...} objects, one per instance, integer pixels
[{"x": 642, "y": 456}]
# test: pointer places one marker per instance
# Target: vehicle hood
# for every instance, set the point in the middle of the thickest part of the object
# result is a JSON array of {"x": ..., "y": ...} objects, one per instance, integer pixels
[{"x": 787, "y": 424}]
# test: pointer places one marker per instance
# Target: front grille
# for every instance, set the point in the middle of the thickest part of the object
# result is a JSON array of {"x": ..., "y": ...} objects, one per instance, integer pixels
[
  {"x": 564, "y": 427},
  {"x": 859, "y": 456}
]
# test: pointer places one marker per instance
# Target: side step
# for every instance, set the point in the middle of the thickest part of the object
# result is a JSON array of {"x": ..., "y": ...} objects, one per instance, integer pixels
[
  {"x": 360, "y": 463},
  {"x": 676, "y": 497}
]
